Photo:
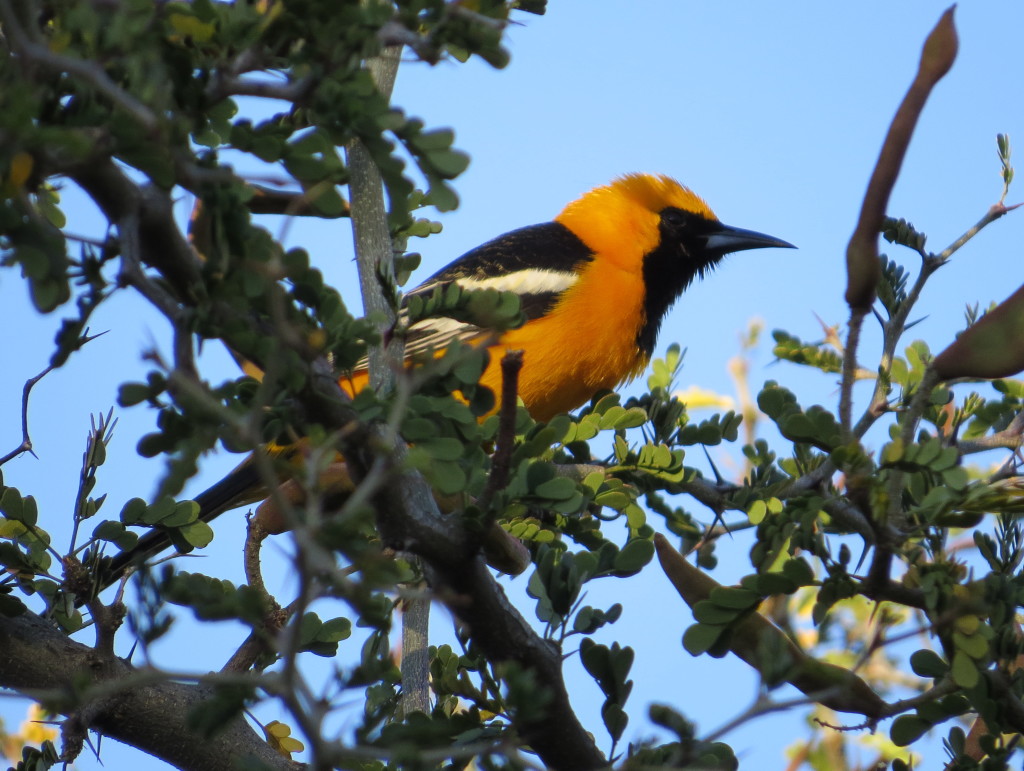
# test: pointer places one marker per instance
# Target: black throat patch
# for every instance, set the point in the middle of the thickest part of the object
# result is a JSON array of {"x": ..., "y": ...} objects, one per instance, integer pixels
[{"x": 671, "y": 266}]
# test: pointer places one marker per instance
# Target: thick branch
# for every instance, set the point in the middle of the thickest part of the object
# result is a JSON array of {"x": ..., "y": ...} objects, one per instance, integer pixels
[
  {"x": 375, "y": 253},
  {"x": 476, "y": 598},
  {"x": 39, "y": 661},
  {"x": 161, "y": 243},
  {"x": 374, "y": 248}
]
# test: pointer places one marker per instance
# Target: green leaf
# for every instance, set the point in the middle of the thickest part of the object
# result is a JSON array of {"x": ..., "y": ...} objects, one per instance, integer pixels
[
  {"x": 442, "y": 448},
  {"x": 198, "y": 534},
  {"x": 557, "y": 489},
  {"x": 818, "y": 355},
  {"x": 185, "y": 512},
  {"x": 893, "y": 452},
  {"x": 735, "y": 597},
  {"x": 700, "y": 638},
  {"x": 442, "y": 197},
  {"x": 799, "y": 571},
  {"x": 437, "y": 139},
  {"x": 30, "y": 511},
  {"x": 757, "y": 511},
  {"x": 956, "y": 477},
  {"x": 595, "y": 659},
  {"x": 159, "y": 511},
  {"x": 133, "y": 511},
  {"x": 335, "y": 630},
  {"x": 928, "y": 663},
  {"x": 108, "y": 531},
  {"x": 309, "y": 628},
  {"x": 634, "y": 555},
  {"x": 707, "y": 612},
  {"x": 973, "y": 645},
  {"x": 449, "y": 478},
  {"x": 613, "y": 499},
  {"x": 615, "y": 719},
  {"x": 12, "y": 505},
  {"x": 630, "y": 418},
  {"x": 907, "y": 729},
  {"x": 328, "y": 202},
  {"x": 224, "y": 705},
  {"x": 768, "y": 584},
  {"x": 131, "y": 394},
  {"x": 448, "y": 163},
  {"x": 964, "y": 670}
]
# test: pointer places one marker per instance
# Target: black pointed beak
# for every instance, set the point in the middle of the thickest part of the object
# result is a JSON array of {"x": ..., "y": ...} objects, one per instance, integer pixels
[{"x": 725, "y": 239}]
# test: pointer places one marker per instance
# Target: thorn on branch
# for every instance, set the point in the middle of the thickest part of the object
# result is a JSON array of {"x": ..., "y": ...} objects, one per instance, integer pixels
[{"x": 26, "y": 439}]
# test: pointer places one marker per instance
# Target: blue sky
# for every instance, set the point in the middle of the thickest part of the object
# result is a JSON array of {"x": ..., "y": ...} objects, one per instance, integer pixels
[{"x": 773, "y": 112}]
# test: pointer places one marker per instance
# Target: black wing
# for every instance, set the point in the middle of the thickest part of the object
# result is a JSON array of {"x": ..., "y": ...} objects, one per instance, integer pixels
[{"x": 538, "y": 263}]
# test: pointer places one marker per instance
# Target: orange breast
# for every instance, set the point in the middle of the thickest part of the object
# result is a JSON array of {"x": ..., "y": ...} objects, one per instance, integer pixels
[{"x": 585, "y": 344}]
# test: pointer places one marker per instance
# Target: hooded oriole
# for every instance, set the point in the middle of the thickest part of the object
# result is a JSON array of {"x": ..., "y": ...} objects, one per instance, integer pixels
[{"x": 594, "y": 284}]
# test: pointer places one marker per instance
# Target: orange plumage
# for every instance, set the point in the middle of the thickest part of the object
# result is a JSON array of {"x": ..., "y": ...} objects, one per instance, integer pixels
[
  {"x": 594, "y": 285},
  {"x": 589, "y": 338}
]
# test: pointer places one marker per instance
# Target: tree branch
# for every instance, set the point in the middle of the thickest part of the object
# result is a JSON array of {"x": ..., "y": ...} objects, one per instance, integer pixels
[
  {"x": 26, "y": 439},
  {"x": 290, "y": 203},
  {"x": 42, "y": 663}
]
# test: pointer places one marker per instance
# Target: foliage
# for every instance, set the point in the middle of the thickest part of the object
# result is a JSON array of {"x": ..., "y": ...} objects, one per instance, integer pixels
[{"x": 134, "y": 103}]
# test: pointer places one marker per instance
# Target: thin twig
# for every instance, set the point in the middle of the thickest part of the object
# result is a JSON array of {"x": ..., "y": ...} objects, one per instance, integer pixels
[
  {"x": 849, "y": 376},
  {"x": 26, "y": 439},
  {"x": 1011, "y": 437},
  {"x": 267, "y": 200},
  {"x": 763, "y": 706},
  {"x": 897, "y": 593},
  {"x": 294, "y": 91},
  {"x": 896, "y": 325},
  {"x": 511, "y": 364},
  {"x": 255, "y": 535},
  {"x": 258, "y": 643},
  {"x": 996, "y": 211}
]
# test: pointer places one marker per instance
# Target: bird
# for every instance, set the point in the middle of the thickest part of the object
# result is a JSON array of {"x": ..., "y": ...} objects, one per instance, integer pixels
[{"x": 594, "y": 284}]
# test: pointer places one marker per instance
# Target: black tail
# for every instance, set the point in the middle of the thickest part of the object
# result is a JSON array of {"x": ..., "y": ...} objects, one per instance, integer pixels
[{"x": 243, "y": 485}]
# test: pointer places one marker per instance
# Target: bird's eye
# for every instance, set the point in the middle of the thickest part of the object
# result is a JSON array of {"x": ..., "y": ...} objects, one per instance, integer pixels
[{"x": 676, "y": 219}]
